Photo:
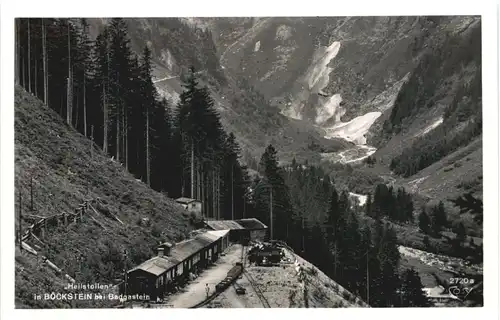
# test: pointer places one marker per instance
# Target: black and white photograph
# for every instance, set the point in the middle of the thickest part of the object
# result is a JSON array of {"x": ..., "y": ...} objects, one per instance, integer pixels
[{"x": 274, "y": 161}]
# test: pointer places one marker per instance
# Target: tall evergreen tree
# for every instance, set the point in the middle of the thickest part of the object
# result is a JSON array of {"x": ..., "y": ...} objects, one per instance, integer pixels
[
  {"x": 411, "y": 291},
  {"x": 276, "y": 196},
  {"x": 149, "y": 105},
  {"x": 461, "y": 233},
  {"x": 368, "y": 205},
  {"x": 424, "y": 221}
]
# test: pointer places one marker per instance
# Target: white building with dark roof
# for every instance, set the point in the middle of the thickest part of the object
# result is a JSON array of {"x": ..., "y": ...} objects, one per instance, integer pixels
[
  {"x": 241, "y": 230},
  {"x": 174, "y": 264},
  {"x": 191, "y": 205}
]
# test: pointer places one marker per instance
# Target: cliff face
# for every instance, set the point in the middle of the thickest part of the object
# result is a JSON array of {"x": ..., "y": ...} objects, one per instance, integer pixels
[{"x": 331, "y": 70}]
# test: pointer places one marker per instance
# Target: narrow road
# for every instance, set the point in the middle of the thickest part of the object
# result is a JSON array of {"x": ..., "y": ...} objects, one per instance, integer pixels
[{"x": 166, "y": 78}]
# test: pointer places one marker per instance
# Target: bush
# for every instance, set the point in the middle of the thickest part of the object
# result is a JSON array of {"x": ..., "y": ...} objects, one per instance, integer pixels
[
  {"x": 156, "y": 231},
  {"x": 346, "y": 295},
  {"x": 313, "y": 271}
]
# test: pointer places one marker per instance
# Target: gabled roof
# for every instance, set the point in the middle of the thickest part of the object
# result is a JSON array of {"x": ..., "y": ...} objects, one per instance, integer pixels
[
  {"x": 185, "y": 200},
  {"x": 184, "y": 249},
  {"x": 224, "y": 225},
  {"x": 156, "y": 265},
  {"x": 179, "y": 252},
  {"x": 210, "y": 238},
  {"x": 218, "y": 233},
  {"x": 251, "y": 223}
]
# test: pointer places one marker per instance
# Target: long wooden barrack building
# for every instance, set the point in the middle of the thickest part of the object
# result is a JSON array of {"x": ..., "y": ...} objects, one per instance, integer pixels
[{"x": 175, "y": 264}]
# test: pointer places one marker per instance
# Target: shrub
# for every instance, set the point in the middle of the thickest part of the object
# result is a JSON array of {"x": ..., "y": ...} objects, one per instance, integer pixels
[{"x": 156, "y": 231}]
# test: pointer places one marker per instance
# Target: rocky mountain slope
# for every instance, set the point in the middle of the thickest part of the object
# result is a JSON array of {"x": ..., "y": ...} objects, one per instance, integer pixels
[
  {"x": 404, "y": 90},
  {"x": 316, "y": 86},
  {"x": 178, "y": 44},
  {"x": 344, "y": 75},
  {"x": 324, "y": 69},
  {"x": 335, "y": 89},
  {"x": 64, "y": 169}
]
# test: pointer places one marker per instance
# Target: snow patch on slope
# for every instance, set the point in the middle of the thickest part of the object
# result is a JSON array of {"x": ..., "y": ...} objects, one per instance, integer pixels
[
  {"x": 361, "y": 198},
  {"x": 329, "y": 109},
  {"x": 355, "y": 129},
  {"x": 315, "y": 79},
  {"x": 430, "y": 127},
  {"x": 257, "y": 46},
  {"x": 320, "y": 72}
]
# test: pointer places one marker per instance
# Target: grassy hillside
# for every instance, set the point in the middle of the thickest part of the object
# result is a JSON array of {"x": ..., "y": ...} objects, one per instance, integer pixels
[{"x": 66, "y": 169}]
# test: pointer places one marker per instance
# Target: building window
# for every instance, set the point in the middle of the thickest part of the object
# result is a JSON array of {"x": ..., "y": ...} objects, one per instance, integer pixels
[{"x": 196, "y": 258}]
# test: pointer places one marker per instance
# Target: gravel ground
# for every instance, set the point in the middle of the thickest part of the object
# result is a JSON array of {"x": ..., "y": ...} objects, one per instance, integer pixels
[{"x": 281, "y": 289}]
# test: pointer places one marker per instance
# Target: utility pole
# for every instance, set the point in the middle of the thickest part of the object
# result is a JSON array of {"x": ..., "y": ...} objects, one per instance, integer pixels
[
  {"x": 91, "y": 140},
  {"x": 31, "y": 194},
  {"x": 335, "y": 265},
  {"x": 303, "y": 242},
  {"x": 367, "y": 280},
  {"x": 271, "y": 210},
  {"x": 69, "y": 102},
  {"x": 20, "y": 227},
  {"x": 244, "y": 206},
  {"x": 29, "y": 57},
  {"x": 232, "y": 192},
  {"x": 125, "y": 270}
]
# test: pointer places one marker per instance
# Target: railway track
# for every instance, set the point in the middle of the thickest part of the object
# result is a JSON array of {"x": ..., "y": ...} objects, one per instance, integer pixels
[
  {"x": 216, "y": 294},
  {"x": 259, "y": 293},
  {"x": 243, "y": 253}
]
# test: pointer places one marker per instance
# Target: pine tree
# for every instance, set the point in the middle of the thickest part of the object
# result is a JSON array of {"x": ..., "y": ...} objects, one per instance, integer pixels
[
  {"x": 426, "y": 242},
  {"x": 368, "y": 205},
  {"x": 333, "y": 216},
  {"x": 45, "y": 62},
  {"x": 161, "y": 145},
  {"x": 424, "y": 221},
  {"x": 29, "y": 56},
  {"x": 149, "y": 98},
  {"x": 461, "y": 233},
  {"x": 102, "y": 84},
  {"x": 440, "y": 214},
  {"x": 411, "y": 291},
  {"x": 85, "y": 61},
  {"x": 278, "y": 191},
  {"x": 69, "y": 84},
  {"x": 438, "y": 218},
  {"x": 468, "y": 203}
]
